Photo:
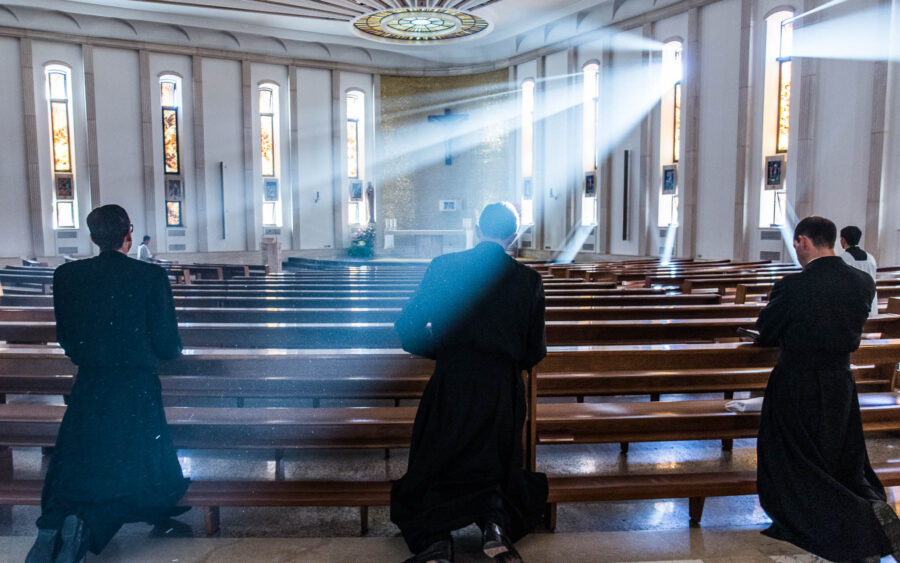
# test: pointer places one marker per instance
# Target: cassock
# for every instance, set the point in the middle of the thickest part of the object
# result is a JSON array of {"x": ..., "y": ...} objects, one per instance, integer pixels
[
  {"x": 465, "y": 462},
  {"x": 114, "y": 461},
  {"x": 813, "y": 472},
  {"x": 862, "y": 260}
]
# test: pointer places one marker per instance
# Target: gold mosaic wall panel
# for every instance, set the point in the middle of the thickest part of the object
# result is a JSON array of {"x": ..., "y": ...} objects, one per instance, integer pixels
[{"x": 411, "y": 149}]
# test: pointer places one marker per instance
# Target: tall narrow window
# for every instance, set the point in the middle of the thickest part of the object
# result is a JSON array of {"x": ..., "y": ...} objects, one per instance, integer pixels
[
  {"x": 784, "y": 87},
  {"x": 59, "y": 98},
  {"x": 356, "y": 113},
  {"x": 670, "y": 134},
  {"x": 269, "y": 134},
  {"x": 527, "y": 152},
  {"x": 589, "y": 130},
  {"x": 170, "y": 102},
  {"x": 777, "y": 118}
]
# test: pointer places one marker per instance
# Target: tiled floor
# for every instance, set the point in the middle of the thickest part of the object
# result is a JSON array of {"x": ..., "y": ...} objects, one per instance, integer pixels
[{"x": 655, "y": 530}]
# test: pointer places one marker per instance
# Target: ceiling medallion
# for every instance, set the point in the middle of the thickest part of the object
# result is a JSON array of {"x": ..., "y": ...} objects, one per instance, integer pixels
[{"x": 419, "y": 25}]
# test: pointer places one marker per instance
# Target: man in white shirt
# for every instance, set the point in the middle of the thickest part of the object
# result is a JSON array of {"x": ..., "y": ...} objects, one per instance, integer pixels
[
  {"x": 858, "y": 258},
  {"x": 145, "y": 255}
]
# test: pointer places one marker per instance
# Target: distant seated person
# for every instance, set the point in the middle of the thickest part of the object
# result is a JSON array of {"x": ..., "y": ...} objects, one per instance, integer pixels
[
  {"x": 143, "y": 253},
  {"x": 858, "y": 258}
]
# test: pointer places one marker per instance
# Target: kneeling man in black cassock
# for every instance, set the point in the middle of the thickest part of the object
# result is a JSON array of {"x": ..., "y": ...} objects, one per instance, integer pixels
[
  {"x": 814, "y": 476},
  {"x": 486, "y": 315},
  {"x": 114, "y": 461}
]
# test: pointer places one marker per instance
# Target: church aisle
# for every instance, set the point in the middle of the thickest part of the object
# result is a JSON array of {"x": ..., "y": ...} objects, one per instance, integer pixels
[{"x": 685, "y": 545}]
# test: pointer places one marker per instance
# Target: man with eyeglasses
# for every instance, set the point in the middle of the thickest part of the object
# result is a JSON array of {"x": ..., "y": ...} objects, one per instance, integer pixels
[{"x": 114, "y": 461}]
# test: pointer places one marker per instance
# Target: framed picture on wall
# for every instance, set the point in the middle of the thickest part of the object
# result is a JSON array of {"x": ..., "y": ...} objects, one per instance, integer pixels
[
  {"x": 173, "y": 214},
  {"x": 775, "y": 172},
  {"x": 448, "y": 205},
  {"x": 590, "y": 183},
  {"x": 670, "y": 179},
  {"x": 270, "y": 189},
  {"x": 64, "y": 189},
  {"x": 526, "y": 188},
  {"x": 173, "y": 190},
  {"x": 356, "y": 190}
]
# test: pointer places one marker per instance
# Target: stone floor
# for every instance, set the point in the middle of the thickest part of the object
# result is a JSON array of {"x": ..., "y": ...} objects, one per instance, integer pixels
[{"x": 655, "y": 530}]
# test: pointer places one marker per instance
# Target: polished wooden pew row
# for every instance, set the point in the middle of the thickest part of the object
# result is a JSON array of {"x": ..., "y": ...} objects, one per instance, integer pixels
[
  {"x": 390, "y": 302},
  {"x": 390, "y": 314}
]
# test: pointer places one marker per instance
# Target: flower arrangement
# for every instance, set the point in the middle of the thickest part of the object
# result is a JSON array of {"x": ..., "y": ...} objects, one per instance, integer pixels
[{"x": 363, "y": 244}]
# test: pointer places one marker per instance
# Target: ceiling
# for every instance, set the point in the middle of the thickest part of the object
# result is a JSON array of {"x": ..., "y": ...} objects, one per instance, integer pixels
[{"x": 517, "y": 26}]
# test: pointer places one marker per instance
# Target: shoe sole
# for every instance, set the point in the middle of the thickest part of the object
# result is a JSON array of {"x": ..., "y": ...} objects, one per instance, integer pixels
[
  {"x": 493, "y": 549},
  {"x": 890, "y": 524}
]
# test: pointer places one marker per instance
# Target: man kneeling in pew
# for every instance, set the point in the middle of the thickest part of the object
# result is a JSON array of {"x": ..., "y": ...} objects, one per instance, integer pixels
[
  {"x": 114, "y": 461},
  {"x": 465, "y": 462},
  {"x": 813, "y": 473}
]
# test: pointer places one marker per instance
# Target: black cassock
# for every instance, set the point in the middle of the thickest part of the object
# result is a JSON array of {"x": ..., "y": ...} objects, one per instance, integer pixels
[
  {"x": 813, "y": 472},
  {"x": 465, "y": 462},
  {"x": 114, "y": 461}
]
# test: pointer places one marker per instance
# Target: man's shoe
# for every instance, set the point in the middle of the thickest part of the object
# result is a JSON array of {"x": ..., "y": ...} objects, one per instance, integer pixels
[
  {"x": 493, "y": 542},
  {"x": 510, "y": 556},
  {"x": 890, "y": 525},
  {"x": 438, "y": 552},
  {"x": 73, "y": 537},
  {"x": 44, "y": 546}
]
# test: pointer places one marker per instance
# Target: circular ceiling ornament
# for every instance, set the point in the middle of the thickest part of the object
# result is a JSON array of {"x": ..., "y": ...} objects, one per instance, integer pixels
[{"x": 419, "y": 25}]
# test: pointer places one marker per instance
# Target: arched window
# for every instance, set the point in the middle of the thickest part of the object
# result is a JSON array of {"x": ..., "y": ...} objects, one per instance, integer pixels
[
  {"x": 590, "y": 130},
  {"x": 170, "y": 102},
  {"x": 777, "y": 118},
  {"x": 269, "y": 134},
  {"x": 670, "y": 134},
  {"x": 527, "y": 152},
  {"x": 356, "y": 171},
  {"x": 59, "y": 105}
]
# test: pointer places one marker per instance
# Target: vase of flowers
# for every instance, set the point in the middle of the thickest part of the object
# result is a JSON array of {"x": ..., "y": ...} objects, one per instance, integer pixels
[{"x": 363, "y": 244}]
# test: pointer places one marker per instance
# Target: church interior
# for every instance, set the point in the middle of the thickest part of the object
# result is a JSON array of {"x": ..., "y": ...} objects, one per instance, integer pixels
[{"x": 296, "y": 165}]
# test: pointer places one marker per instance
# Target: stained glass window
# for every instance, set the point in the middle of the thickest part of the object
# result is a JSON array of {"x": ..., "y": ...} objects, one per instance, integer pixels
[
  {"x": 589, "y": 128},
  {"x": 267, "y": 130},
  {"x": 676, "y": 124},
  {"x": 784, "y": 88},
  {"x": 356, "y": 170},
  {"x": 169, "y": 102},
  {"x": 59, "y": 100}
]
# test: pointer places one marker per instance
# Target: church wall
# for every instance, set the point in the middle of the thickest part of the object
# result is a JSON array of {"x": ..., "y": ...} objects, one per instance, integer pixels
[
  {"x": 223, "y": 144},
  {"x": 625, "y": 120},
  {"x": 314, "y": 196},
  {"x": 45, "y": 53},
  {"x": 181, "y": 238},
  {"x": 413, "y": 175},
  {"x": 14, "y": 216},
  {"x": 119, "y": 145},
  {"x": 889, "y": 235},
  {"x": 559, "y": 145},
  {"x": 843, "y": 128},
  {"x": 720, "y": 49}
]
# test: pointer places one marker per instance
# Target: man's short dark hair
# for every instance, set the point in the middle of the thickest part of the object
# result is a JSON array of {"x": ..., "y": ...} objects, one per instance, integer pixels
[
  {"x": 851, "y": 234},
  {"x": 146, "y": 238},
  {"x": 108, "y": 225},
  {"x": 819, "y": 230},
  {"x": 498, "y": 220}
]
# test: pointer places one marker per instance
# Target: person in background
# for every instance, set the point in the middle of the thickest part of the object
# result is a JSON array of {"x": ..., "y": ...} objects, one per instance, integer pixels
[
  {"x": 486, "y": 315},
  {"x": 859, "y": 258},
  {"x": 813, "y": 473},
  {"x": 114, "y": 461},
  {"x": 143, "y": 253}
]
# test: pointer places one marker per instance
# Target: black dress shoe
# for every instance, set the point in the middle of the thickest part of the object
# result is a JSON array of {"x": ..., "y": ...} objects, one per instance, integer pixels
[
  {"x": 510, "y": 556},
  {"x": 44, "y": 546},
  {"x": 438, "y": 552},
  {"x": 73, "y": 537},
  {"x": 493, "y": 542}
]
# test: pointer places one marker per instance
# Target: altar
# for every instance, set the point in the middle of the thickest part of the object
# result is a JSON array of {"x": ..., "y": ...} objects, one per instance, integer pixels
[{"x": 430, "y": 242}]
